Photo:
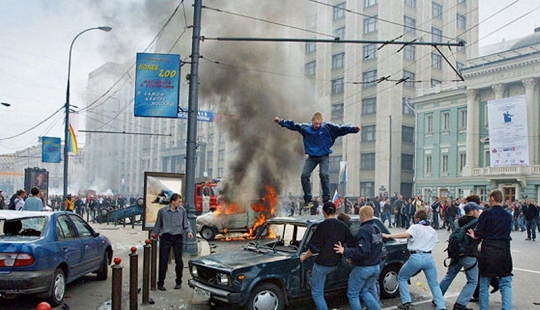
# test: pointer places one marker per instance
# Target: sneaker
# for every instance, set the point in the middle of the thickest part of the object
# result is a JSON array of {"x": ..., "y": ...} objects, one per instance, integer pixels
[
  {"x": 178, "y": 286},
  {"x": 406, "y": 306},
  {"x": 161, "y": 288},
  {"x": 460, "y": 307}
]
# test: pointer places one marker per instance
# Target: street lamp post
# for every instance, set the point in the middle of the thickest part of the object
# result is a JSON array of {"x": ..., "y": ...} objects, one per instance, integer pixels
[{"x": 66, "y": 127}]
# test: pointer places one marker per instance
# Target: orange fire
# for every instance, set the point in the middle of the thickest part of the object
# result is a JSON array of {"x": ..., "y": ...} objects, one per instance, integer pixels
[{"x": 266, "y": 208}]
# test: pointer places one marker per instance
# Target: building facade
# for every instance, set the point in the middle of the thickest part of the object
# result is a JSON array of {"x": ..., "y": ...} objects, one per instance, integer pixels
[{"x": 453, "y": 145}]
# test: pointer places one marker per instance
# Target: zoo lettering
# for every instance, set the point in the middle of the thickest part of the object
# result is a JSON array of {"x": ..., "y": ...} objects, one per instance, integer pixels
[{"x": 162, "y": 73}]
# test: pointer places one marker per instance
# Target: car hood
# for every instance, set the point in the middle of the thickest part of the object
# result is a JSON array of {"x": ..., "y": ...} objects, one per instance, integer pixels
[{"x": 239, "y": 259}]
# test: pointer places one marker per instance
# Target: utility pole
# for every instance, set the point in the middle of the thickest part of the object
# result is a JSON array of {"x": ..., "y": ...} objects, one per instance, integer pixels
[{"x": 193, "y": 107}]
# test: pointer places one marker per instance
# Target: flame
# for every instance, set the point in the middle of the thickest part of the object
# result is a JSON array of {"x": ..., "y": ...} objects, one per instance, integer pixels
[{"x": 265, "y": 207}]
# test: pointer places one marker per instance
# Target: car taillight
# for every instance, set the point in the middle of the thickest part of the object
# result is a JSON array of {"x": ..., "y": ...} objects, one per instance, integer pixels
[{"x": 16, "y": 259}]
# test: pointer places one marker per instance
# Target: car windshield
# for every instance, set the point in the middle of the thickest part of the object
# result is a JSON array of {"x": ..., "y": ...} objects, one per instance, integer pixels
[
  {"x": 30, "y": 226},
  {"x": 281, "y": 237}
]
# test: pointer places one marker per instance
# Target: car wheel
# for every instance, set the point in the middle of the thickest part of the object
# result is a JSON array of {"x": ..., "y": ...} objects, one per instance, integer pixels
[
  {"x": 266, "y": 296},
  {"x": 58, "y": 288},
  {"x": 388, "y": 282},
  {"x": 208, "y": 233},
  {"x": 103, "y": 268}
]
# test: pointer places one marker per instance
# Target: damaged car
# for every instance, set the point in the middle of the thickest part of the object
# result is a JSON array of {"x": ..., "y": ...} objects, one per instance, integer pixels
[{"x": 268, "y": 274}]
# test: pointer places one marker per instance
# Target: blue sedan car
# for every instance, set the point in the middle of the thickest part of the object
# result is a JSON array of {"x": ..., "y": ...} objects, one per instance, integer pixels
[{"x": 41, "y": 252}]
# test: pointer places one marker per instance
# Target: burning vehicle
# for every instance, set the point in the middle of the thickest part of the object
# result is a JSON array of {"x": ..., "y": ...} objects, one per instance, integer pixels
[
  {"x": 268, "y": 274},
  {"x": 230, "y": 217}
]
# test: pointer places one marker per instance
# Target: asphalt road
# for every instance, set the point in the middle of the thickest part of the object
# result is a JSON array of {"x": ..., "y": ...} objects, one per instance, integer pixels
[{"x": 88, "y": 293}]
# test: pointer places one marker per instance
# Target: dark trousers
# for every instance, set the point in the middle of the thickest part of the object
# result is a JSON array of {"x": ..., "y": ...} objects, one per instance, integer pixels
[{"x": 166, "y": 242}]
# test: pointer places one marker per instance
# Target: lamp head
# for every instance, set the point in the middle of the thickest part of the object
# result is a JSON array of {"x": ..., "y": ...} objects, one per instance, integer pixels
[{"x": 105, "y": 28}]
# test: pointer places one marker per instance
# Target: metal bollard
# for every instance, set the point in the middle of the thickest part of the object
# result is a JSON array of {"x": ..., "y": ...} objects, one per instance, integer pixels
[
  {"x": 116, "y": 294},
  {"x": 146, "y": 272},
  {"x": 132, "y": 219},
  {"x": 108, "y": 216},
  {"x": 153, "y": 267},
  {"x": 133, "y": 278}
]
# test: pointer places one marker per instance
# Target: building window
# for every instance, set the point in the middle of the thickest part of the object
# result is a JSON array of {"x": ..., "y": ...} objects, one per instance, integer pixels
[
  {"x": 368, "y": 3},
  {"x": 436, "y": 61},
  {"x": 409, "y": 52},
  {"x": 369, "y": 78},
  {"x": 435, "y": 82},
  {"x": 367, "y": 189},
  {"x": 407, "y": 134},
  {"x": 367, "y": 161},
  {"x": 462, "y": 161},
  {"x": 339, "y": 33},
  {"x": 337, "y": 86},
  {"x": 436, "y": 10},
  {"x": 368, "y": 133},
  {"x": 311, "y": 69},
  {"x": 407, "y": 109},
  {"x": 338, "y": 61},
  {"x": 407, "y": 162},
  {"x": 409, "y": 24},
  {"x": 409, "y": 79},
  {"x": 369, "y": 106},
  {"x": 436, "y": 35},
  {"x": 220, "y": 172},
  {"x": 339, "y": 11},
  {"x": 461, "y": 21},
  {"x": 444, "y": 164},
  {"x": 428, "y": 164},
  {"x": 370, "y": 24},
  {"x": 370, "y": 51},
  {"x": 337, "y": 111},
  {"x": 311, "y": 47},
  {"x": 411, "y": 3},
  {"x": 429, "y": 124},
  {"x": 446, "y": 121},
  {"x": 221, "y": 155},
  {"x": 462, "y": 119}
]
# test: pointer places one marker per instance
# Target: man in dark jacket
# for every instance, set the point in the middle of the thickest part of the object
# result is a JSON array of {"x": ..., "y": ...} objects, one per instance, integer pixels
[
  {"x": 468, "y": 262},
  {"x": 494, "y": 227},
  {"x": 366, "y": 257},
  {"x": 530, "y": 213}
]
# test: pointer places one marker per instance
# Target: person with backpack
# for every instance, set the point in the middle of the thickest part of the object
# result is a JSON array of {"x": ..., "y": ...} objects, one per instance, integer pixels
[
  {"x": 16, "y": 202},
  {"x": 463, "y": 252}
]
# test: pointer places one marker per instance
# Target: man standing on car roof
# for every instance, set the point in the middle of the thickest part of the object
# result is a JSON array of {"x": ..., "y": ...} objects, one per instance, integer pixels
[
  {"x": 366, "y": 258},
  {"x": 331, "y": 231}
]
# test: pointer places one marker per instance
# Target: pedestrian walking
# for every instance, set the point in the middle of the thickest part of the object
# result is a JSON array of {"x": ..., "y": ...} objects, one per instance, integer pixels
[
  {"x": 318, "y": 137},
  {"x": 331, "y": 231},
  {"x": 171, "y": 225},
  {"x": 421, "y": 239},
  {"x": 493, "y": 229},
  {"x": 365, "y": 256}
]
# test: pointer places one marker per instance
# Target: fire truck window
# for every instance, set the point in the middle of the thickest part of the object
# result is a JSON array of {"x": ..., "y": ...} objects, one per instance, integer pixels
[{"x": 206, "y": 191}]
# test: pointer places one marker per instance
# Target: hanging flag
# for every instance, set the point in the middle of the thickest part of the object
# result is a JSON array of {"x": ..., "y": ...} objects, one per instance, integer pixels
[
  {"x": 342, "y": 172},
  {"x": 72, "y": 141},
  {"x": 335, "y": 199}
]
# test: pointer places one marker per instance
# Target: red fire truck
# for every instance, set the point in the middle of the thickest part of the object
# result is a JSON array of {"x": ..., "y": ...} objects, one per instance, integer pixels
[{"x": 206, "y": 195}]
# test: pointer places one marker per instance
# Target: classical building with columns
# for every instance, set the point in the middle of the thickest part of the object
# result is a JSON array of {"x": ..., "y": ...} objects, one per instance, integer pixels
[{"x": 453, "y": 146}]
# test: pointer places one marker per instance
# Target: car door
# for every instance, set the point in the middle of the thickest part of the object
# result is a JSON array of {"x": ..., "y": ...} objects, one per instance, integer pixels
[
  {"x": 70, "y": 246},
  {"x": 92, "y": 247}
]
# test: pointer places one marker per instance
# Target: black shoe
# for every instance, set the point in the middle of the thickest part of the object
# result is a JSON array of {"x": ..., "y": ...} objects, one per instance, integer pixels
[
  {"x": 178, "y": 286},
  {"x": 161, "y": 288},
  {"x": 460, "y": 307},
  {"x": 405, "y": 306},
  {"x": 474, "y": 299},
  {"x": 527, "y": 239}
]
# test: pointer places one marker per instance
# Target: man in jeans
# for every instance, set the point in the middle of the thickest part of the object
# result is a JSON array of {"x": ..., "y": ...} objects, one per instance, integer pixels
[
  {"x": 495, "y": 259},
  {"x": 331, "y": 231},
  {"x": 468, "y": 262}
]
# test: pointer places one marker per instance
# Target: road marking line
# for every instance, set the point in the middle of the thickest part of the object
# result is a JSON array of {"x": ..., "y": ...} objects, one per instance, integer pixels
[{"x": 527, "y": 270}]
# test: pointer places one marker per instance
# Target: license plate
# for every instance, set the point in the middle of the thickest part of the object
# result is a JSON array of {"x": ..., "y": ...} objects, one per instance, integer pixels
[{"x": 202, "y": 292}]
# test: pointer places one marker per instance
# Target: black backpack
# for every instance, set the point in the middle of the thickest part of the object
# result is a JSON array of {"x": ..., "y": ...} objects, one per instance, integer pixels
[
  {"x": 12, "y": 204},
  {"x": 458, "y": 243}
]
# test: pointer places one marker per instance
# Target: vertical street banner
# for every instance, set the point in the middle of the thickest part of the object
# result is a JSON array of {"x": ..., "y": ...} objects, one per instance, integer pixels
[
  {"x": 343, "y": 172},
  {"x": 508, "y": 132},
  {"x": 51, "y": 150},
  {"x": 157, "y": 85}
]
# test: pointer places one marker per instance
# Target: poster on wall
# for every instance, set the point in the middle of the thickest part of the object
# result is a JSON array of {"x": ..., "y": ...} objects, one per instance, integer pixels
[
  {"x": 158, "y": 189},
  {"x": 508, "y": 132}
]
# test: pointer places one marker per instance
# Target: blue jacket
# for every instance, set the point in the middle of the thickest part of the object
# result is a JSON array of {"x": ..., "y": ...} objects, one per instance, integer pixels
[
  {"x": 368, "y": 250},
  {"x": 318, "y": 142}
]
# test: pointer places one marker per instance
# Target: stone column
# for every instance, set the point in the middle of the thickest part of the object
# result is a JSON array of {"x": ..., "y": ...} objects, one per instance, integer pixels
[
  {"x": 532, "y": 117},
  {"x": 472, "y": 133},
  {"x": 499, "y": 90}
]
